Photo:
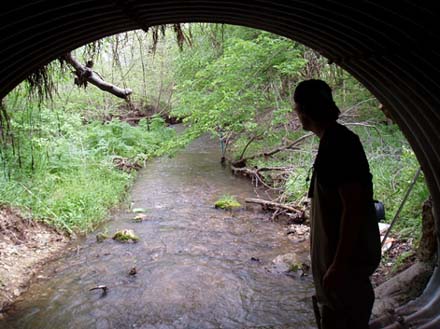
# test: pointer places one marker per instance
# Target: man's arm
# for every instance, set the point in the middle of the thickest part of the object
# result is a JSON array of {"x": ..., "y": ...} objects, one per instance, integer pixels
[{"x": 353, "y": 214}]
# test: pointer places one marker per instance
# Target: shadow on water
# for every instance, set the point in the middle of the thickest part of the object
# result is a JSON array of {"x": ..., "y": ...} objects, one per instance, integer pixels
[{"x": 197, "y": 267}]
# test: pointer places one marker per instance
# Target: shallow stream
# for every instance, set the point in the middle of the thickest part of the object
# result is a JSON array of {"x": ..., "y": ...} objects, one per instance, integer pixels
[{"x": 197, "y": 267}]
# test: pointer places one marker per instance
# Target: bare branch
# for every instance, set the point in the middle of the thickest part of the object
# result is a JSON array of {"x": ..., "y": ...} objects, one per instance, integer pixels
[
  {"x": 355, "y": 107},
  {"x": 84, "y": 74},
  {"x": 242, "y": 162},
  {"x": 248, "y": 143},
  {"x": 274, "y": 205},
  {"x": 255, "y": 173}
]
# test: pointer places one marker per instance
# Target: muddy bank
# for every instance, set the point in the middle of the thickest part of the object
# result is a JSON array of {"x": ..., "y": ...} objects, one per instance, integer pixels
[{"x": 25, "y": 246}]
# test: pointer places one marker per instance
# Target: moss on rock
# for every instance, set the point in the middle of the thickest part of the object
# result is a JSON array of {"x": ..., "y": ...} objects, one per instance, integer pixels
[
  {"x": 125, "y": 236},
  {"x": 227, "y": 202}
]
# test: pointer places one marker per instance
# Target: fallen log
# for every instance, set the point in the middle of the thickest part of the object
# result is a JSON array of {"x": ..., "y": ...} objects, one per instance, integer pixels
[
  {"x": 275, "y": 205},
  {"x": 255, "y": 173}
]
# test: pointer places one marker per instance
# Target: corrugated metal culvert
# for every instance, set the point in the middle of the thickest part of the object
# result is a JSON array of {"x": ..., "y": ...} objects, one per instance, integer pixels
[{"x": 390, "y": 46}]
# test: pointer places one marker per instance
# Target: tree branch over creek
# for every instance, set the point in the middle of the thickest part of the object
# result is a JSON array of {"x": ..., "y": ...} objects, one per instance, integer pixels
[{"x": 84, "y": 74}]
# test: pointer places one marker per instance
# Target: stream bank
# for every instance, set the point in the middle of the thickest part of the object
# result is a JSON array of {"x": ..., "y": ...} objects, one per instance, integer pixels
[{"x": 25, "y": 247}]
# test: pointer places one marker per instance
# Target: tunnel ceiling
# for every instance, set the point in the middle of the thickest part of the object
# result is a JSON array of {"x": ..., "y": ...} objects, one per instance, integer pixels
[{"x": 389, "y": 46}]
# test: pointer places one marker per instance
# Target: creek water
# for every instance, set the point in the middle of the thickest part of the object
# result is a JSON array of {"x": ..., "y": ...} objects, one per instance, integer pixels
[{"x": 197, "y": 267}]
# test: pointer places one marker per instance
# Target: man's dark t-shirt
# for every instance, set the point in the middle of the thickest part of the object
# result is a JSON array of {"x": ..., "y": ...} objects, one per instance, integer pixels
[{"x": 341, "y": 160}]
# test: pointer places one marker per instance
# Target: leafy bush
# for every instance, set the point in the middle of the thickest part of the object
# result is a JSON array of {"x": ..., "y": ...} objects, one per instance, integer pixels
[
  {"x": 121, "y": 139},
  {"x": 60, "y": 170}
]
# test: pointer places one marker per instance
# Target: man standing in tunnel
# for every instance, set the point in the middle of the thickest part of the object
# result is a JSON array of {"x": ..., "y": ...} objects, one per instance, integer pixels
[{"x": 345, "y": 240}]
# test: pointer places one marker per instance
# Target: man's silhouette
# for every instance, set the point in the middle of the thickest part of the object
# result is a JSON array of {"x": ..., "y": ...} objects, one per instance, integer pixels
[{"x": 345, "y": 240}]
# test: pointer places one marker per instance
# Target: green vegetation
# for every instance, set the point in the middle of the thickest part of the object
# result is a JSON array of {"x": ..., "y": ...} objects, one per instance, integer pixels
[
  {"x": 61, "y": 158},
  {"x": 295, "y": 267},
  {"x": 237, "y": 83},
  {"x": 227, "y": 202},
  {"x": 65, "y": 174},
  {"x": 69, "y": 159}
]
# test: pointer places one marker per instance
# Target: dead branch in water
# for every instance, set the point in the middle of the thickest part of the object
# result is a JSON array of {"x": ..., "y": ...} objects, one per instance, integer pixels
[
  {"x": 278, "y": 207},
  {"x": 273, "y": 205},
  {"x": 255, "y": 173}
]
